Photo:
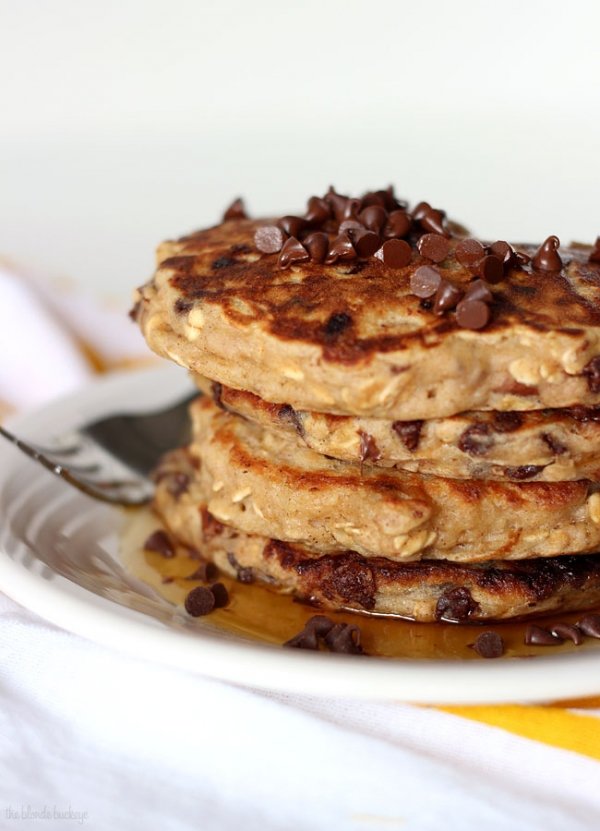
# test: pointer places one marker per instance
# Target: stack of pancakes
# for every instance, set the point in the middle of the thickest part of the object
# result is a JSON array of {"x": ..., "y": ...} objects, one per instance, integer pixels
[{"x": 395, "y": 418}]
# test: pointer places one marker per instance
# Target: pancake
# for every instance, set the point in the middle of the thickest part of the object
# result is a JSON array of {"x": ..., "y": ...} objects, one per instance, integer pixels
[
  {"x": 350, "y": 337},
  {"x": 424, "y": 591},
  {"x": 542, "y": 446},
  {"x": 262, "y": 482}
]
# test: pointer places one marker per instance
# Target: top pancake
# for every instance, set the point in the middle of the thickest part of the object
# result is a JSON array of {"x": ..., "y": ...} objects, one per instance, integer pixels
[{"x": 351, "y": 338}]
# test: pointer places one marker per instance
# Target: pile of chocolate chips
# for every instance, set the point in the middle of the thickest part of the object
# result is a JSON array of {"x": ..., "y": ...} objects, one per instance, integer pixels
[
  {"x": 339, "y": 229},
  {"x": 343, "y": 638},
  {"x": 588, "y": 626}
]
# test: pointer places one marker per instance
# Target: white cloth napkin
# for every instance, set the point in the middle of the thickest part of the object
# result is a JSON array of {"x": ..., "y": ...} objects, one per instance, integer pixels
[{"x": 93, "y": 738}]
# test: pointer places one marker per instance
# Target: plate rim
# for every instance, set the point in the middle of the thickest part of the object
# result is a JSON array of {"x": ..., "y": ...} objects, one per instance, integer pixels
[{"x": 66, "y": 604}]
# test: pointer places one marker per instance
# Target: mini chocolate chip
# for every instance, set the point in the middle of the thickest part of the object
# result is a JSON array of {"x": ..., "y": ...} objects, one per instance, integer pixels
[
  {"x": 351, "y": 210},
  {"x": 433, "y": 221},
  {"x": 269, "y": 239},
  {"x": 519, "y": 474},
  {"x": 319, "y": 624},
  {"x": 547, "y": 258},
  {"x": 200, "y": 601},
  {"x": 434, "y": 246},
  {"x": 409, "y": 433},
  {"x": 337, "y": 323},
  {"x": 368, "y": 450},
  {"x": 425, "y": 281},
  {"x": 292, "y": 252},
  {"x": 350, "y": 225},
  {"x": 556, "y": 446},
  {"x": 522, "y": 258},
  {"x": 469, "y": 253},
  {"x": 395, "y": 253},
  {"x": 479, "y": 290},
  {"x": 183, "y": 306},
  {"x": 287, "y": 413},
  {"x": 303, "y": 640},
  {"x": 243, "y": 574},
  {"x": 161, "y": 543},
  {"x": 222, "y": 262},
  {"x": 507, "y": 422},
  {"x": 340, "y": 249},
  {"x": 292, "y": 225},
  {"x": 316, "y": 627},
  {"x": 397, "y": 226},
  {"x": 365, "y": 242},
  {"x": 595, "y": 252},
  {"x": 455, "y": 605},
  {"x": 504, "y": 252},
  {"x": 446, "y": 297},
  {"x": 590, "y": 626},
  {"x": 373, "y": 218},
  {"x": 565, "y": 631},
  {"x": 204, "y": 572},
  {"x": 420, "y": 209},
  {"x": 178, "y": 483},
  {"x": 491, "y": 269},
  {"x": 236, "y": 210},
  {"x": 476, "y": 440},
  {"x": 217, "y": 394},
  {"x": 317, "y": 245},
  {"x": 337, "y": 203},
  {"x": 318, "y": 211},
  {"x": 537, "y": 636},
  {"x": 220, "y": 594},
  {"x": 344, "y": 639},
  {"x": 489, "y": 645},
  {"x": 592, "y": 372},
  {"x": 472, "y": 314}
]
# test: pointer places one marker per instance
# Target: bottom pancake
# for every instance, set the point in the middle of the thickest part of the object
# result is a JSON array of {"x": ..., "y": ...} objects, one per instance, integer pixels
[{"x": 424, "y": 591}]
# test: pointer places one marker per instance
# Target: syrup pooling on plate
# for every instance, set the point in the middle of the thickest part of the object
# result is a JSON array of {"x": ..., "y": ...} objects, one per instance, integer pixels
[{"x": 257, "y": 613}]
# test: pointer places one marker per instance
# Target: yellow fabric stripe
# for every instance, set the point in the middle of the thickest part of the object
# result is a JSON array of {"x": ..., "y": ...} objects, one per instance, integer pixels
[{"x": 550, "y": 725}]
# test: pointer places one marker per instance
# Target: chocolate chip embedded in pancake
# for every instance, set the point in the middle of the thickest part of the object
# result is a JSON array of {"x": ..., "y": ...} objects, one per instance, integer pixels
[
  {"x": 259, "y": 324},
  {"x": 543, "y": 446},
  {"x": 425, "y": 591},
  {"x": 262, "y": 482}
]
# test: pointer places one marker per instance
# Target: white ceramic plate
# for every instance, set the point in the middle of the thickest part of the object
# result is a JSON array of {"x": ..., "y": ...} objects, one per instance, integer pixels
[{"x": 59, "y": 557}]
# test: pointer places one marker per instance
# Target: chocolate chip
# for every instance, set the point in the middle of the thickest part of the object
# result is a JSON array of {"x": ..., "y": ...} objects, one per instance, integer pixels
[
  {"x": 365, "y": 242},
  {"x": 167, "y": 579},
  {"x": 337, "y": 323},
  {"x": 592, "y": 372},
  {"x": 373, "y": 218},
  {"x": 292, "y": 252},
  {"x": 489, "y": 645},
  {"x": 420, "y": 209},
  {"x": 547, "y": 258},
  {"x": 507, "y": 422},
  {"x": 318, "y": 211},
  {"x": 161, "y": 543},
  {"x": 368, "y": 450},
  {"x": 476, "y": 440},
  {"x": 491, "y": 269},
  {"x": 409, "y": 432},
  {"x": 317, "y": 245},
  {"x": 590, "y": 626},
  {"x": 537, "y": 636},
  {"x": 204, "y": 572},
  {"x": 183, "y": 306},
  {"x": 320, "y": 625},
  {"x": 222, "y": 262},
  {"x": 522, "y": 258},
  {"x": 395, "y": 253},
  {"x": 446, "y": 297},
  {"x": 236, "y": 210},
  {"x": 292, "y": 225},
  {"x": 243, "y": 574},
  {"x": 479, "y": 290},
  {"x": 469, "y": 253},
  {"x": 269, "y": 239},
  {"x": 565, "y": 631},
  {"x": 287, "y": 413},
  {"x": 340, "y": 249},
  {"x": 472, "y": 314},
  {"x": 433, "y": 221},
  {"x": 303, "y": 640},
  {"x": 520, "y": 474},
  {"x": 316, "y": 627},
  {"x": 397, "y": 226},
  {"x": 220, "y": 595},
  {"x": 344, "y": 639},
  {"x": 595, "y": 252},
  {"x": 434, "y": 246},
  {"x": 350, "y": 225},
  {"x": 425, "y": 281},
  {"x": 556, "y": 446},
  {"x": 200, "y": 601},
  {"x": 178, "y": 483},
  {"x": 455, "y": 605},
  {"x": 217, "y": 394},
  {"x": 338, "y": 204},
  {"x": 504, "y": 252}
]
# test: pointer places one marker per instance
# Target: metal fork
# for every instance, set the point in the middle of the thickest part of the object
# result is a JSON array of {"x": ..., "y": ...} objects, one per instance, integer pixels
[{"x": 111, "y": 459}]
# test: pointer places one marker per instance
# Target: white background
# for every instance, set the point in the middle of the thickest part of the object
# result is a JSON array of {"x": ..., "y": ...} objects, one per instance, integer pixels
[{"x": 124, "y": 122}]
